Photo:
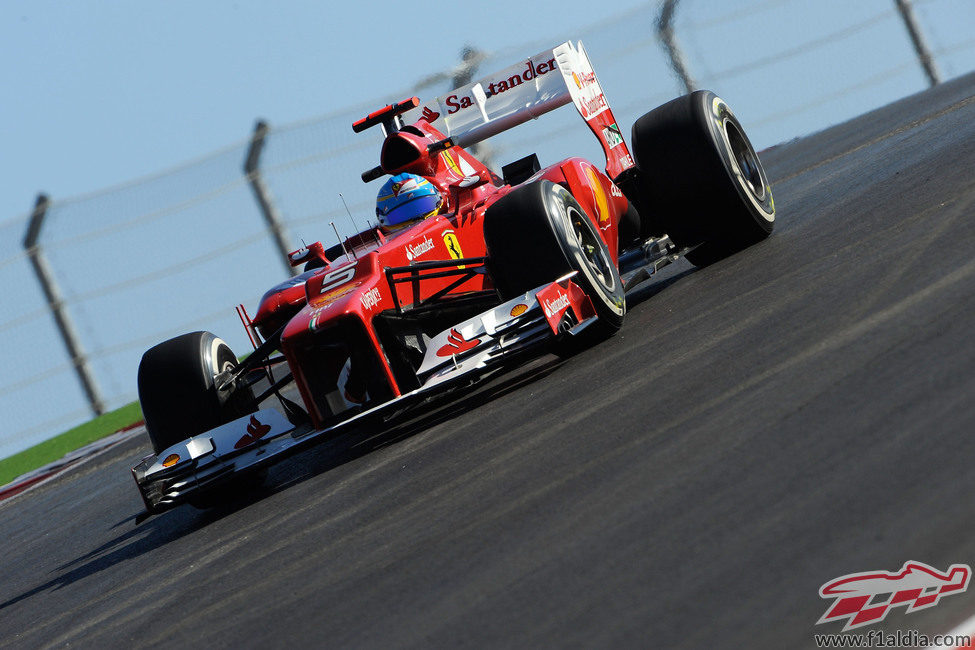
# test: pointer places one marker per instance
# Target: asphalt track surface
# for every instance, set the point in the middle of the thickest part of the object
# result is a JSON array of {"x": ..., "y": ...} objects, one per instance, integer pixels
[{"x": 798, "y": 412}]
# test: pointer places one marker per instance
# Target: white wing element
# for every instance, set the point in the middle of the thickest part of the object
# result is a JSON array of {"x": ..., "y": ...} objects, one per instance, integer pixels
[{"x": 523, "y": 91}]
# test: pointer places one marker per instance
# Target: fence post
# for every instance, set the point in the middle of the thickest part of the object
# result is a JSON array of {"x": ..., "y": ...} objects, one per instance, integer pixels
[
  {"x": 470, "y": 58},
  {"x": 917, "y": 38},
  {"x": 56, "y": 303},
  {"x": 253, "y": 170},
  {"x": 665, "y": 31}
]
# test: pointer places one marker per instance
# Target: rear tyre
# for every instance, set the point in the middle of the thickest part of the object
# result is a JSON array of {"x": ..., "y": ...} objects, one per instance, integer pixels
[
  {"x": 536, "y": 234},
  {"x": 177, "y": 392},
  {"x": 702, "y": 178}
]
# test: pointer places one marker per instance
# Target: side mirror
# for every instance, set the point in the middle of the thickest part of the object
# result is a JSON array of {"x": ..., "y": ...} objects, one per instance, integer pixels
[{"x": 308, "y": 253}]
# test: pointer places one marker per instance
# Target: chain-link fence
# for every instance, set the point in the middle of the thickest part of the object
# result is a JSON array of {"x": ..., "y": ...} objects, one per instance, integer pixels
[{"x": 140, "y": 263}]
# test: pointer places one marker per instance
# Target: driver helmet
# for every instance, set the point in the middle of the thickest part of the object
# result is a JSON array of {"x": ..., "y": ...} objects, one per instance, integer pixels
[{"x": 406, "y": 198}]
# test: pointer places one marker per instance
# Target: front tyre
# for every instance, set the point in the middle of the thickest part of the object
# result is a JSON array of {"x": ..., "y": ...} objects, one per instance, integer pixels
[
  {"x": 536, "y": 234},
  {"x": 177, "y": 391},
  {"x": 701, "y": 177}
]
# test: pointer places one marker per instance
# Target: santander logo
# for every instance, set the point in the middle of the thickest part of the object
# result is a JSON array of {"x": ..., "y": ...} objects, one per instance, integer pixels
[
  {"x": 532, "y": 70},
  {"x": 414, "y": 251},
  {"x": 552, "y": 307},
  {"x": 592, "y": 106}
]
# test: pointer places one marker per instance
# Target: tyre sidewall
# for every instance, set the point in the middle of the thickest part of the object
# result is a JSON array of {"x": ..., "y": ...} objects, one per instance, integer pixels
[
  {"x": 562, "y": 208},
  {"x": 690, "y": 154},
  {"x": 177, "y": 391},
  {"x": 723, "y": 126}
]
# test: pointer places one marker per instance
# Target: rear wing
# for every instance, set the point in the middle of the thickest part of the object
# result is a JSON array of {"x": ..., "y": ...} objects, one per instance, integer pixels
[{"x": 523, "y": 91}]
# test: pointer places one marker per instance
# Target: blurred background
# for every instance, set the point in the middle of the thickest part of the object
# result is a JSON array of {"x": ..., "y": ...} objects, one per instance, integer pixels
[{"x": 98, "y": 95}]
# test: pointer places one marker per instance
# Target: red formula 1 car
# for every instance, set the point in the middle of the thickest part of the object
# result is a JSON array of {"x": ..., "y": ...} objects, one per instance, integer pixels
[{"x": 537, "y": 259}]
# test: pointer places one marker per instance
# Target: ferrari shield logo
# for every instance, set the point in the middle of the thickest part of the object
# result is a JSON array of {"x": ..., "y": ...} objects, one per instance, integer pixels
[{"x": 453, "y": 246}]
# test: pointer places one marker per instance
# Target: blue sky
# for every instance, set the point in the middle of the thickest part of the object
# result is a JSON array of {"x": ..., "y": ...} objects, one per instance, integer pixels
[{"x": 97, "y": 94}]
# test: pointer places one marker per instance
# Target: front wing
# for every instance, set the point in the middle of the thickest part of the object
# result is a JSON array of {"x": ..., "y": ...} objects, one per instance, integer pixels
[{"x": 465, "y": 352}]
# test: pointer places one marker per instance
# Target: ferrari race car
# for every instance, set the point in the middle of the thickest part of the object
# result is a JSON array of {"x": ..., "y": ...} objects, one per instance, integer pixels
[{"x": 538, "y": 259}]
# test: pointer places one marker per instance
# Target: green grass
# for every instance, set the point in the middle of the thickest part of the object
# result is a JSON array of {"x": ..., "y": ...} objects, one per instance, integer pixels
[{"x": 53, "y": 449}]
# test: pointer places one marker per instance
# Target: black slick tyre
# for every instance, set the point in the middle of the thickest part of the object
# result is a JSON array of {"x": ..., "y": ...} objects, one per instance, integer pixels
[
  {"x": 177, "y": 392},
  {"x": 538, "y": 233},
  {"x": 701, "y": 177}
]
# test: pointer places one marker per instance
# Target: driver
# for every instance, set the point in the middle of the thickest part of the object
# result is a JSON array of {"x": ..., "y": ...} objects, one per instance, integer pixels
[{"x": 405, "y": 199}]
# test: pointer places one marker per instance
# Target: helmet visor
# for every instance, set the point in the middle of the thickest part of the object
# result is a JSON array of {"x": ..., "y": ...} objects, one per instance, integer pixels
[{"x": 421, "y": 206}]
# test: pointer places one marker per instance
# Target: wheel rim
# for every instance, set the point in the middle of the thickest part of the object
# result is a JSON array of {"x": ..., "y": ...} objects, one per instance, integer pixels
[
  {"x": 593, "y": 253},
  {"x": 746, "y": 159}
]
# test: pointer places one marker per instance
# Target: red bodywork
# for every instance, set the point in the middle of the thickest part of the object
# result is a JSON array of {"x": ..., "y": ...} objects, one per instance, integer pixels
[{"x": 330, "y": 312}]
